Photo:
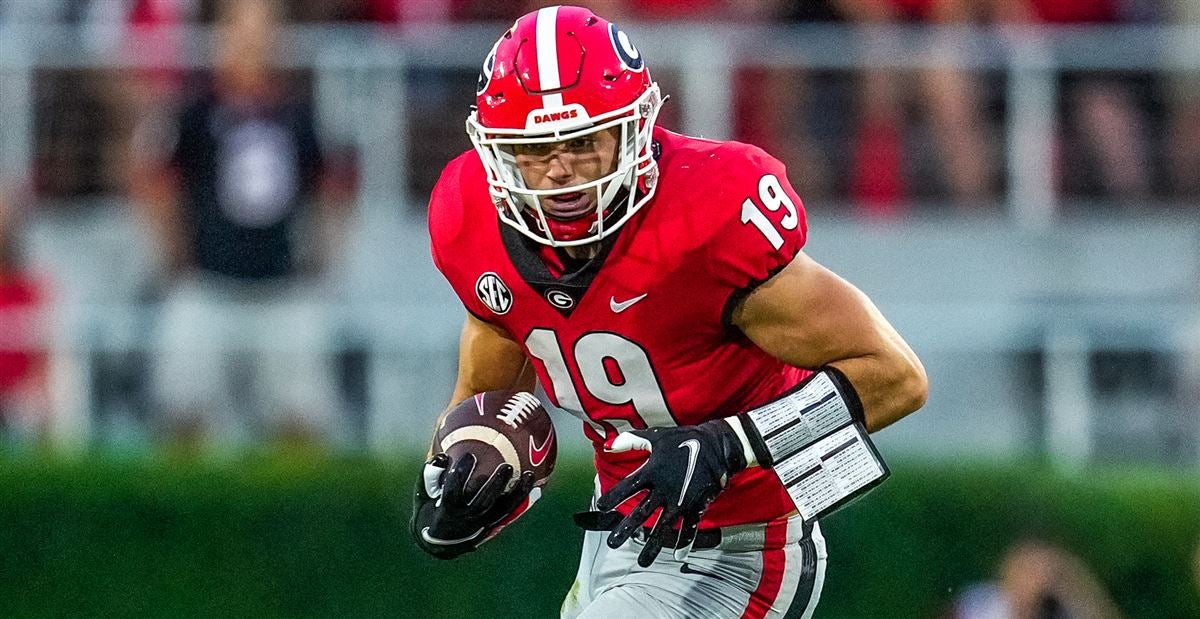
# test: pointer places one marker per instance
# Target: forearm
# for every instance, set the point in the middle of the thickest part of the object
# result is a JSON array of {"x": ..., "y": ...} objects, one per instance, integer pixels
[
  {"x": 487, "y": 360},
  {"x": 890, "y": 387},
  {"x": 886, "y": 374},
  {"x": 809, "y": 317}
]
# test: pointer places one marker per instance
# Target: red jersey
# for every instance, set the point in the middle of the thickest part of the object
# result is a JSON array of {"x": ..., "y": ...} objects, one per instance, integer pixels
[
  {"x": 640, "y": 337},
  {"x": 20, "y": 350}
]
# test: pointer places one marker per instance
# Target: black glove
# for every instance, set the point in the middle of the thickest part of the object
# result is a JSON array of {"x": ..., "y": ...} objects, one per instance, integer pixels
[
  {"x": 448, "y": 520},
  {"x": 688, "y": 467}
]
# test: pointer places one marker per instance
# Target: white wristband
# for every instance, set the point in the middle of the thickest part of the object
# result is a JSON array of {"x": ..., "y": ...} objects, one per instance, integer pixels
[{"x": 747, "y": 450}]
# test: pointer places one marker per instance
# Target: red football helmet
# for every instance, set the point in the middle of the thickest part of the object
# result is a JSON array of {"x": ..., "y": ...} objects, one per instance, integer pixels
[{"x": 560, "y": 73}]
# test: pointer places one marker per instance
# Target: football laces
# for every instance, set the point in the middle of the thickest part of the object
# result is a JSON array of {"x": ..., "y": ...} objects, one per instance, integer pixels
[{"x": 518, "y": 408}]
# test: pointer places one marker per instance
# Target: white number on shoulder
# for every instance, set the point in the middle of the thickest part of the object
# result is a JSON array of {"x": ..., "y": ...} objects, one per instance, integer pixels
[{"x": 773, "y": 197}]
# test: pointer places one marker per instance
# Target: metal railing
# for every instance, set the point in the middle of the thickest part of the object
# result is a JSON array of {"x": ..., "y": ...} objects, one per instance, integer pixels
[
  {"x": 362, "y": 76},
  {"x": 363, "y": 92}
]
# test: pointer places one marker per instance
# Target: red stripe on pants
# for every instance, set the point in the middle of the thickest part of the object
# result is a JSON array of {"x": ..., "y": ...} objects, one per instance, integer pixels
[{"x": 774, "y": 563}]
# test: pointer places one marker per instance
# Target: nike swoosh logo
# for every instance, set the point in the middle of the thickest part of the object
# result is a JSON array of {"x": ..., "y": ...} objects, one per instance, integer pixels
[
  {"x": 617, "y": 308},
  {"x": 693, "y": 446},
  {"x": 448, "y": 542},
  {"x": 687, "y": 568},
  {"x": 538, "y": 453}
]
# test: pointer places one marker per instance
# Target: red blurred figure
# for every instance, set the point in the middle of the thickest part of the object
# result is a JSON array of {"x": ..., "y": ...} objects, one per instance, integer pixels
[
  {"x": 947, "y": 95},
  {"x": 425, "y": 12},
  {"x": 23, "y": 399}
]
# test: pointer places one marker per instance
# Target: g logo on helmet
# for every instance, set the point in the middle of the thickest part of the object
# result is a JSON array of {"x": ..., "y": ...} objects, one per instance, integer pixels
[
  {"x": 485, "y": 74},
  {"x": 630, "y": 57}
]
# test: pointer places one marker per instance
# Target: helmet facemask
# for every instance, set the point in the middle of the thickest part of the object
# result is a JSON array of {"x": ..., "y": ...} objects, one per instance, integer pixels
[{"x": 619, "y": 194}]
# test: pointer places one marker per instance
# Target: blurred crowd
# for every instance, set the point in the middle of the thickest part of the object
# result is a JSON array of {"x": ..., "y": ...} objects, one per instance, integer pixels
[
  {"x": 246, "y": 199},
  {"x": 876, "y": 141}
]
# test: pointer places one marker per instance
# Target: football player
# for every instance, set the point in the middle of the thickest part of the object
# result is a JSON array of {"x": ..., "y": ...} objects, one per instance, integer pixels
[{"x": 654, "y": 284}]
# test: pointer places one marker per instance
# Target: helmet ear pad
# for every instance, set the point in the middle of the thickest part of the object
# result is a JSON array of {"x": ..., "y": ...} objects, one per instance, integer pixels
[{"x": 559, "y": 73}]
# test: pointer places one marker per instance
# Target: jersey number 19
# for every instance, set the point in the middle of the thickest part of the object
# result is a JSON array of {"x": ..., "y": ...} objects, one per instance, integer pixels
[
  {"x": 612, "y": 369},
  {"x": 773, "y": 197}
]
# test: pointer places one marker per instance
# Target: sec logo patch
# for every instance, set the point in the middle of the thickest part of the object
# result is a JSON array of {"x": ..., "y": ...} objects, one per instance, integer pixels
[{"x": 494, "y": 293}]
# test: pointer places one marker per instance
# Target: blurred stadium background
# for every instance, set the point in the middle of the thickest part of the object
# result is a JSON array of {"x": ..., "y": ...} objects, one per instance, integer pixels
[{"x": 1014, "y": 182}]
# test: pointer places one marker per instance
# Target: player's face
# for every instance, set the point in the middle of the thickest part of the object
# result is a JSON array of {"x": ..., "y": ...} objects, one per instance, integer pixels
[{"x": 571, "y": 162}]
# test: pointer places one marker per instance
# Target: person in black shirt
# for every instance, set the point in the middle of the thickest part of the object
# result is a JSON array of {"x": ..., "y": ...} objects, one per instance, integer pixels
[{"x": 242, "y": 330}]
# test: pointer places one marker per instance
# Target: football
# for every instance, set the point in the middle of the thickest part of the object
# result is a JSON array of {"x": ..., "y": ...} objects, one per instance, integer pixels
[{"x": 501, "y": 427}]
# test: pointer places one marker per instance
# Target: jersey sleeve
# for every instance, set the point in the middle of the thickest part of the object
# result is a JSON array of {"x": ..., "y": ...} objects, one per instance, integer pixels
[
  {"x": 446, "y": 221},
  {"x": 444, "y": 216},
  {"x": 760, "y": 221}
]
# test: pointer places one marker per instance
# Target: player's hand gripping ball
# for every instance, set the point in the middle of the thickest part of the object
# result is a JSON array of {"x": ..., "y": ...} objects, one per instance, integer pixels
[{"x": 494, "y": 451}]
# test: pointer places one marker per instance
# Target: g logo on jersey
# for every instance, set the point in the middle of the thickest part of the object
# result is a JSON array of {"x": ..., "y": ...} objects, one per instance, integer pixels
[
  {"x": 559, "y": 299},
  {"x": 494, "y": 293},
  {"x": 629, "y": 55}
]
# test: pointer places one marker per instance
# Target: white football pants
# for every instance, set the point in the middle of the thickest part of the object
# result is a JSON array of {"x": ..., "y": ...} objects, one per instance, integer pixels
[{"x": 762, "y": 570}]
